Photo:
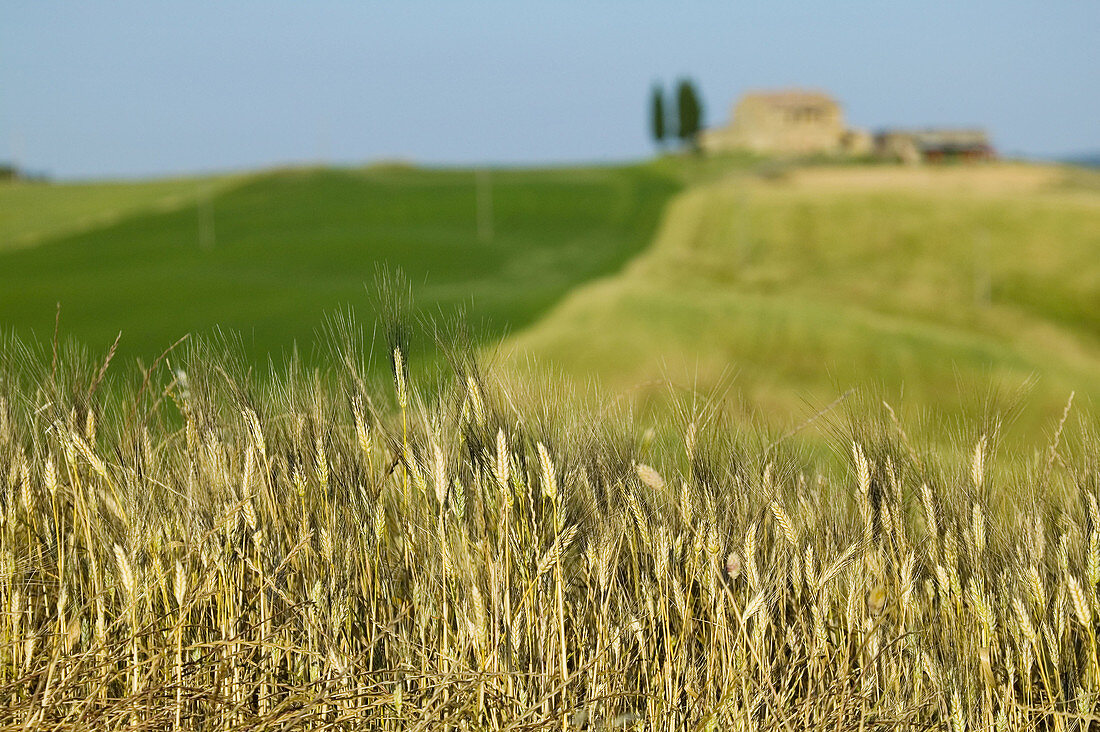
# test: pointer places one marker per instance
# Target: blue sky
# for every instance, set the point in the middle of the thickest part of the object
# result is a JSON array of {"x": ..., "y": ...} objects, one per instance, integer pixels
[{"x": 129, "y": 88}]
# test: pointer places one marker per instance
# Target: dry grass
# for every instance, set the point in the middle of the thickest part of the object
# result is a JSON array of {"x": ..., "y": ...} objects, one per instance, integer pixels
[
  {"x": 205, "y": 549},
  {"x": 988, "y": 179}
]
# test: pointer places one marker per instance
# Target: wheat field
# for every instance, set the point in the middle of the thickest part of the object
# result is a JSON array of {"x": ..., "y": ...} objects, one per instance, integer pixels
[{"x": 196, "y": 546}]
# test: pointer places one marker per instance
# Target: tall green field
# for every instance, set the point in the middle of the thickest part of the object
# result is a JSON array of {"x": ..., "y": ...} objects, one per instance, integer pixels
[{"x": 271, "y": 255}]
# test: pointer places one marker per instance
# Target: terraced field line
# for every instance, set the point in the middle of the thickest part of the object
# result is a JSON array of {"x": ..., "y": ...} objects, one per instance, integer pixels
[{"x": 33, "y": 213}]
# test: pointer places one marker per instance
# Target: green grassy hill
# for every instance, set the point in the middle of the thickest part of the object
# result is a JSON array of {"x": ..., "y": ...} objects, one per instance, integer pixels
[
  {"x": 943, "y": 291},
  {"x": 271, "y": 255}
]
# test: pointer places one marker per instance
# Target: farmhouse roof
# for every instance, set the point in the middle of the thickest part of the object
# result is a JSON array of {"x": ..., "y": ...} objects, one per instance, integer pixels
[{"x": 790, "y": 98}]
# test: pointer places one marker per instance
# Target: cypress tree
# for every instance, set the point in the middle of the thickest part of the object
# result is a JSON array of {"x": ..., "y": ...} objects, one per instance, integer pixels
[
  {"x": 689, "y": 112},
  {"x": 657, "y": 115}
]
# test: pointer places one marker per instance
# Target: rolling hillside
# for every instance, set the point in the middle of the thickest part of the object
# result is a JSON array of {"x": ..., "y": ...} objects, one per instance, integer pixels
[
  {"x": 271, "y": 255},
  {"x": 948, "y": 292}
]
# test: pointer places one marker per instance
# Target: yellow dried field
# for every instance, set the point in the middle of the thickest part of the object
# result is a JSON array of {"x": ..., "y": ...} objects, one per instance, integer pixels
[{"x": 204, "y": 548}]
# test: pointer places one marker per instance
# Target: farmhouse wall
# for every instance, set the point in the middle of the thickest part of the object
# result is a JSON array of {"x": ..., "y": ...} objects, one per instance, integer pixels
[{"x": 791, "y": 121}]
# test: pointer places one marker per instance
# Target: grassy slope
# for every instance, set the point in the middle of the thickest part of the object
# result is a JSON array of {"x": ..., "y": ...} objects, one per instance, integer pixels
[
  {"x": 800, "y": 286},
  {"x": 804, "y": 286},
  {"x": 291, "y": 247}
]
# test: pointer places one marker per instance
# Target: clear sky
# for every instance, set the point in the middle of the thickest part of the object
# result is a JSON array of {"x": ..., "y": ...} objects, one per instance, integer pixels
[{"x": 133, "y": 87}]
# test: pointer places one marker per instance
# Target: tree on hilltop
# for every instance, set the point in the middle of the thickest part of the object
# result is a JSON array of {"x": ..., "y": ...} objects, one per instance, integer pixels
[
  {"x": 657, "y": 115},
  {"x": 689, "y": 113}
]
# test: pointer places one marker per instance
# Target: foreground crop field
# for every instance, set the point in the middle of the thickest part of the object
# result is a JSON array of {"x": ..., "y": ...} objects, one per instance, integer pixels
[
  {"x": 270, "y": 255},
  {"x": 208, "y": 549}
]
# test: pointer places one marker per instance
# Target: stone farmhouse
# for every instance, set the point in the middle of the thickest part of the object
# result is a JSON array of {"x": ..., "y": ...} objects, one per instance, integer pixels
[
  {"x": 793, "y": 121},
  {"x": 804, "y": 122}
]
